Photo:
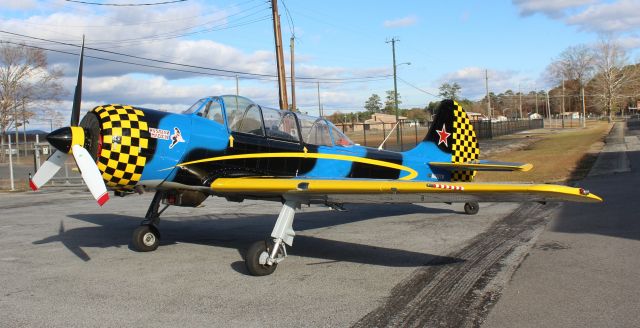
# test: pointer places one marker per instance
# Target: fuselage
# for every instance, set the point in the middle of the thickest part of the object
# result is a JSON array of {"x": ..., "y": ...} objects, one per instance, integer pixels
[{"x": 230, "y": 136}]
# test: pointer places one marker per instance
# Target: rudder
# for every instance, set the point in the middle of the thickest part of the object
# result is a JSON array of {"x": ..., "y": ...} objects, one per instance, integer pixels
[{"x": 453, "y": 133}]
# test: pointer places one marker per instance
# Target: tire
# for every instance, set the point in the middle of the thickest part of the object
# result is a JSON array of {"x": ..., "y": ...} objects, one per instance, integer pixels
[
  {"x": 252, "y": 259},
  {"x": 471, "y": 208},
  {"x": 145, "y": 238}
]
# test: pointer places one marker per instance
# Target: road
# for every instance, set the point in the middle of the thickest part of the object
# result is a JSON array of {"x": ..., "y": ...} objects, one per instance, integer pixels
[
  {"x": 66, "y": 263},
  {"x": 583, "y": 270}
]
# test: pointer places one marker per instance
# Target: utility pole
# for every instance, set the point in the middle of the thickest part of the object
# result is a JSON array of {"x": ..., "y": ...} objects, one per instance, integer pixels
[
  {"x": 584, "y": 110},
  {"x": 237, "y": 86},
  {"x": 319, "y": 104},
  {"x": 486, "y": 84},
  {"x": 548, "y": 108},
  {"x": 293, "y": 77},
  {"x": 563, "y": 103},
  {"x": 536, "y": 93},
  {"x": 520, "y": 101},
  {"x": 15, "y": 125},
  {"x": 24, "y": 127},
  {"x": 395, "y": 84},
  {"x": 282, "y": 82}
]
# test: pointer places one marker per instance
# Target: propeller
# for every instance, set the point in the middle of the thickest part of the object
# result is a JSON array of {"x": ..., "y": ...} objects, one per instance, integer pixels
[{"x": 71, "y": 140}]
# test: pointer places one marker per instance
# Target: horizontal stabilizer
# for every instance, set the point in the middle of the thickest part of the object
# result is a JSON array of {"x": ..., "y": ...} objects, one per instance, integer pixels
[{"x": 483, "y": 166}]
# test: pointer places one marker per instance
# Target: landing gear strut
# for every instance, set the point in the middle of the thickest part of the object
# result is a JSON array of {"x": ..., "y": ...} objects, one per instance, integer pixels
[
  {"x": 263, "y": 257},
  {"x": 471, "y": 208},
  {"x": 146, "y": 237}
]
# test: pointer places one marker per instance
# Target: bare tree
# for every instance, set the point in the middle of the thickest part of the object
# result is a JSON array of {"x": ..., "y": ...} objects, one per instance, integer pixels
[
  {"x": 26, "y": 80},
  {"x": 611, "y": 76},
  {"x": 576, "y": 63}
]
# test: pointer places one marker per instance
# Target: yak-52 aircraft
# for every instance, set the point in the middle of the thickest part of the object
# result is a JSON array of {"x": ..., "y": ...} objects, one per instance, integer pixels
[{"x": 228, "y": 146}]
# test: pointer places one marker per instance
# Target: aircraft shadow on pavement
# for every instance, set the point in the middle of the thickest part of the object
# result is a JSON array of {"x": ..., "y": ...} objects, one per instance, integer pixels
[
  {"x": 617, "y": 216},
  {"x": 239, "y": 231}
]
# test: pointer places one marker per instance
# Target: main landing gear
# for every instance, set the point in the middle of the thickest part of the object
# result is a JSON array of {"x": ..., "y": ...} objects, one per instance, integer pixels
[
  {"x": 263, "y": 257},
  {"x": 146, "y": 237},
  {"x": 471, "y": 208}
]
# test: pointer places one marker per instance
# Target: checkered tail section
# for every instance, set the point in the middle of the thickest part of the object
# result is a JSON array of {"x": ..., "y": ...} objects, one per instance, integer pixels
[
  {"x": 125, "y": 139},
  {"x": 465, "y": 146}
]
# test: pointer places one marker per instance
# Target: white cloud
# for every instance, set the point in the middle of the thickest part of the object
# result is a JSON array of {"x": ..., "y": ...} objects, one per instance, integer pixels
[
  {"x": 18, "y": 4},
  {"x": 401, "y": 22},
  {"x": 551, "y": 8},
  {"x": 618, "y": 16},
  {"x": 631, "y": 42},
  {"x": 598, "y": 16}
]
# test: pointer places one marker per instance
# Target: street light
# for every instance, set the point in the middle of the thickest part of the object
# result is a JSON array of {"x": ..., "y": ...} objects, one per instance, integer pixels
[{"x": 395, "y": 93}]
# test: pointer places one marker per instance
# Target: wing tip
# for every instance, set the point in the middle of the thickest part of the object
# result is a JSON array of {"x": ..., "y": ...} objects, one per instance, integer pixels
[
  {"x": 526, "y": 167},
  {"x": 103, "y": 199}
]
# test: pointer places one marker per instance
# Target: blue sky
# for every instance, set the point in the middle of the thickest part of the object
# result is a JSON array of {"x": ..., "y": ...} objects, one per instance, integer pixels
[{"x": 445, "y": 41}]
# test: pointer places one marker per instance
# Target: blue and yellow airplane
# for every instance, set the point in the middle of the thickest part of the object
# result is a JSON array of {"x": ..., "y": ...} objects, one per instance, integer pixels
[{"x": 229, "y": 146}]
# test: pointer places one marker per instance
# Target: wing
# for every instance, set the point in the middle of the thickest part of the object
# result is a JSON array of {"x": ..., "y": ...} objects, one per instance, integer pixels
[
  {"x": 396, "y": 191},
  {"x": 483, "y": 166}
]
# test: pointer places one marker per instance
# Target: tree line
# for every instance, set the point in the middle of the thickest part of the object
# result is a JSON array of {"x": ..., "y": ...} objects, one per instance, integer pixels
[{"x": 598, "y": 79}]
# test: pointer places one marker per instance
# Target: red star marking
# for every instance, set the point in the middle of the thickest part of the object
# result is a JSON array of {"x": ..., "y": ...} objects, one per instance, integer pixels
[{"x": 444, "y": 135}]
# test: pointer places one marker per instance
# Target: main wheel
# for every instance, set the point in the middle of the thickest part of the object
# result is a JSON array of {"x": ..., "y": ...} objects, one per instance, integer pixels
[
  {"x": 252, "y": 259},
  {"x": 471, "y": 208},
  {"x": 145, "y": 238}
]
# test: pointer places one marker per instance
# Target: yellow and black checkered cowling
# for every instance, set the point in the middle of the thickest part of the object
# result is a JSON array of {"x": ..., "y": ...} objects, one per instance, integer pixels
[
  {"x": 465, "y": 144},
  {"x": 125, "y": 139}
]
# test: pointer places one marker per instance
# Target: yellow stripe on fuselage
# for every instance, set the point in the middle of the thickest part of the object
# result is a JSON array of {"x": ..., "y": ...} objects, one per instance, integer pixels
[{"x": 412, "y": 173}]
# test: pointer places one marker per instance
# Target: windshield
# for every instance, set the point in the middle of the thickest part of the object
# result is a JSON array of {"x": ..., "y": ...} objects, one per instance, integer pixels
[
  {"x": 318, "y": 131},
  {"x": 339, "y": 138},
  {"x": 195, "y": 106}
]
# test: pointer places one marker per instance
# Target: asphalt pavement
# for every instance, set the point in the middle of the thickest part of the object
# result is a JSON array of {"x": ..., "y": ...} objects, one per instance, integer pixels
[
  {"x": 64, "y": 262},
  {"x": 584, "y": 269}
]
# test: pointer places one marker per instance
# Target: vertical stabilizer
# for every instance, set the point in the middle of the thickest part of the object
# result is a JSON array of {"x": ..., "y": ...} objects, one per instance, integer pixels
[{"x": 453, "y": 133}]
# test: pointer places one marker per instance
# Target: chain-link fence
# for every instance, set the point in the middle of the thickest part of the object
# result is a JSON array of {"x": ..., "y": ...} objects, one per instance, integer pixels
[
  {"x": 24, "y": 163},
  {"x": 409, "y": 133}
]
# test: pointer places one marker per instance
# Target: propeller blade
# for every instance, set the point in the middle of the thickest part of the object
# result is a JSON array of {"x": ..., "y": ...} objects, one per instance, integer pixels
[
  {"x": 48, "y": 170},
  {"x": 91, "y": 174},
  {"x": 77, "y": 95}
]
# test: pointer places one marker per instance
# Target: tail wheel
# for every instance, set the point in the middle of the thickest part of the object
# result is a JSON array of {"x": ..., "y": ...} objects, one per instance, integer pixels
[{"x": 471, "y": 208}]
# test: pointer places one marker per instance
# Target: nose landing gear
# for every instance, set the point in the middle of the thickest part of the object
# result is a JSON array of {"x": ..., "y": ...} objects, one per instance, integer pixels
[{"x": 146, "y": 237}]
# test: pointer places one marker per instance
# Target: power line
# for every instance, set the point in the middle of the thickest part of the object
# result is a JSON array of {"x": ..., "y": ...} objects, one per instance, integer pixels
[
  {"x": 245, "y": 74},
  {"x": 146, "y": 22},
  {"x": 125, "y": 4},
  {"x": 292, "y": 26},
  {"x": 419, "y": 89},
  {"x": 222, "y": 74}
]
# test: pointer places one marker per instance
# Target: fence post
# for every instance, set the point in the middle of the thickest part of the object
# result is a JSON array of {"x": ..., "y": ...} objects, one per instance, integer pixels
[
  {"x": 13, "y": 187},
  {"x": 490, "y": 129},
  {"x": 384, "y": 131},
  {"x": 364, "y": 133},
  {"x": 415, "y": 125}
]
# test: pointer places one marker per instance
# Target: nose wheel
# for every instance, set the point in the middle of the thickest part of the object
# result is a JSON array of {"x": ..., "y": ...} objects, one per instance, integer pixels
[{"x": 146, "y": 237}]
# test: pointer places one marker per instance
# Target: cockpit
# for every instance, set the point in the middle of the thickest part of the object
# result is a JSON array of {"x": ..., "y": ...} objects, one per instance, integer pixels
[{"x": 242, "y": 115}]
